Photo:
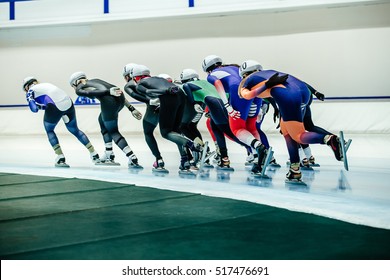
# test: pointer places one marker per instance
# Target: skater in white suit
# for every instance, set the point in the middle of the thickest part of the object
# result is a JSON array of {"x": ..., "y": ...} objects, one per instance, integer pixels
[{"x": 56, "y": 104}]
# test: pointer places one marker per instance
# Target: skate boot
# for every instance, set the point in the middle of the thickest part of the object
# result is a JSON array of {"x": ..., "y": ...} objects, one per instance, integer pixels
[
  {"x": 256, "y": 170},
  {"x": 95, "y": 158},
  {"x": 312, "y": 161},
  {"x": 273, "y": 163},
  {"x": 304, "y": 163},
  {"x": 249, "y": 160},
  {"x": 184, "y": 168},
  {"x": 261, "y": 153},
  {"x": 60, "y": 161},
  {"x": 294, "y": 174},
  {"x": 159, "y": 166},
  {"x": 108, "y": 159},
  {"x": 133, "y": 162},
  {"x": 224, "y": 164},
  {"x": 334, "y": 143}
]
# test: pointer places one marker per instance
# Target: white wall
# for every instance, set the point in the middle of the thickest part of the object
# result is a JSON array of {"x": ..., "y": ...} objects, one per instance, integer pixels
[{"x": 341, "y": 51}]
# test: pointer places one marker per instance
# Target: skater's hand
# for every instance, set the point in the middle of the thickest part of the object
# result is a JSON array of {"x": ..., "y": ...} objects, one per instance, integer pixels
[
  {"x": 232, "y": 113},
  {"x": 154, "y": 102},
  {"x": 136, "y": 114},
  {"x": 198, "y": 108},
  {"x": 115, "y": 91},
  {"x": 275, "y": 79},
  {"x": 319, "y": 95}
]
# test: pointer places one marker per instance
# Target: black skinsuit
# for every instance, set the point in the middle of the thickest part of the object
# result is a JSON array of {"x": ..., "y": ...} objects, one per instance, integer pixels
[
  {"x": 150, "y": 119},
  {"x": 172, "y": 100},
  {"x": 110, "y": 107}
]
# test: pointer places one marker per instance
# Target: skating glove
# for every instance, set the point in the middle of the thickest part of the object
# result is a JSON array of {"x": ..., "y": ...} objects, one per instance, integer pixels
[
  {"x": 319, "y": 95},
  {"x": 154, "y": 102},
  {"x": 232, "y": 113},
  {"x": 136, "y": 114},
  {"x": 115, "y": 91},
  {"x": 275, "y": 79},
  {"x": 198, "y": 108}
]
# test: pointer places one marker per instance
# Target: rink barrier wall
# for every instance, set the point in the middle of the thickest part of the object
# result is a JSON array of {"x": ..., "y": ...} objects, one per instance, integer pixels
[{"x": 368, "y": 116}]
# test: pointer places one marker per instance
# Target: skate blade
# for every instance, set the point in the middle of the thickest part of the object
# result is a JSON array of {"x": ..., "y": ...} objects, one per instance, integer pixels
[
  {"x": 225, "y": 169},
  {"x": 295, "y": 182},
  {"x": 186, "y": 173},
  {"x": 314, "y": 165},
  {"x": 210, "y": 166},
  {"x": 307, "y": 168},
  {"x": 135, "y": 167},
  {"x": 102, "y": 163},
  {"x": 62, "y": 165},
  {"x": 160, "y": 170},
  {"x": 260, "y": 176},
  {"x": 275, "y": 165}
]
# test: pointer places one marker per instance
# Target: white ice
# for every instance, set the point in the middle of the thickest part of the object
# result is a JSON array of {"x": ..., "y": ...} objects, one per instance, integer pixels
[{"x": 360, "y": 195}]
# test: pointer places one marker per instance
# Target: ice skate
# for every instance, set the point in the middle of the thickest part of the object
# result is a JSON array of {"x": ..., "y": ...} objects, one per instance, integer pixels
[
  {"x": 273, "y": 163},
  {"x": 305, "y": 164},
  {"x": 159, "y": 167},
  {"x": 344, "y": 148},
  {"x": 294, "y": 175},
  {"x": 334, "y": 143},
  {"x": 184, "y": 168},
  {"x": 133, "y": 162},
  {"x": 256, "y": 172},
  {"x": 95, "y": 158},
  {"x": 108, "y": 159},
  {"x": 60, "y": 162},
  {"x": 266, "y": 159},
  {"x": 224, "y": 165},
  {"x": 312, "y": 162},
  {"x": 249, "y": 160}
]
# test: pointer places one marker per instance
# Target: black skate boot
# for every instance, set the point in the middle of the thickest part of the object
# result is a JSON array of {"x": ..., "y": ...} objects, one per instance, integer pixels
[
  {"x": 261, "y": 153},
  {"x": 294, "y": 175},
  {"x": 334, "y": 143},
  {"x": 159, "y": 166},
  {"x": 184, "y": 168},
  {"x": 133, "y": 162}
]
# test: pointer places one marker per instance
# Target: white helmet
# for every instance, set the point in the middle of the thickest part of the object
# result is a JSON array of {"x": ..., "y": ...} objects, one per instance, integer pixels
[
  {"x": 28, "y": 81},
  {"x": 140, "y": 70},
  {"x": 188, "y": 74},
  {"x": 75, "y": 77},
  {"x": 249, "y": 66},
  {"x": 209, "y": 61},
  {"x": 128, "y": 68},
  {"x": 166, "y": 77}
]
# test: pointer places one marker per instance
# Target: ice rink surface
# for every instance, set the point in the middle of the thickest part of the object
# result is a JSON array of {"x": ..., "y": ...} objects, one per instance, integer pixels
[{"x": 360, "y": 195}]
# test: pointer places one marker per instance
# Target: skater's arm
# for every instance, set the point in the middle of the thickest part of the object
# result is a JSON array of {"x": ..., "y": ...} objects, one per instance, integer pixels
[
  {"x": 87, "y": 91},
  {"x": 31, "y": 101},
  {"x": 316, "y": 93}
]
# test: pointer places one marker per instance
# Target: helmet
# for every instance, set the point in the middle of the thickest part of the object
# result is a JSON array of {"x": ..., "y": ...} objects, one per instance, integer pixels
[
  {"x": 188, "y": 74},
  {"x": 140, "y": 70},
  {"x": 28, "y": 81},
  {"x": 75, "y": 77},
  {"x": 249, "y": 66},
  {"x": 166, "y": 77},
  {"x": 210, "y": 61},
  {"x": 128, "y": 68}
]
